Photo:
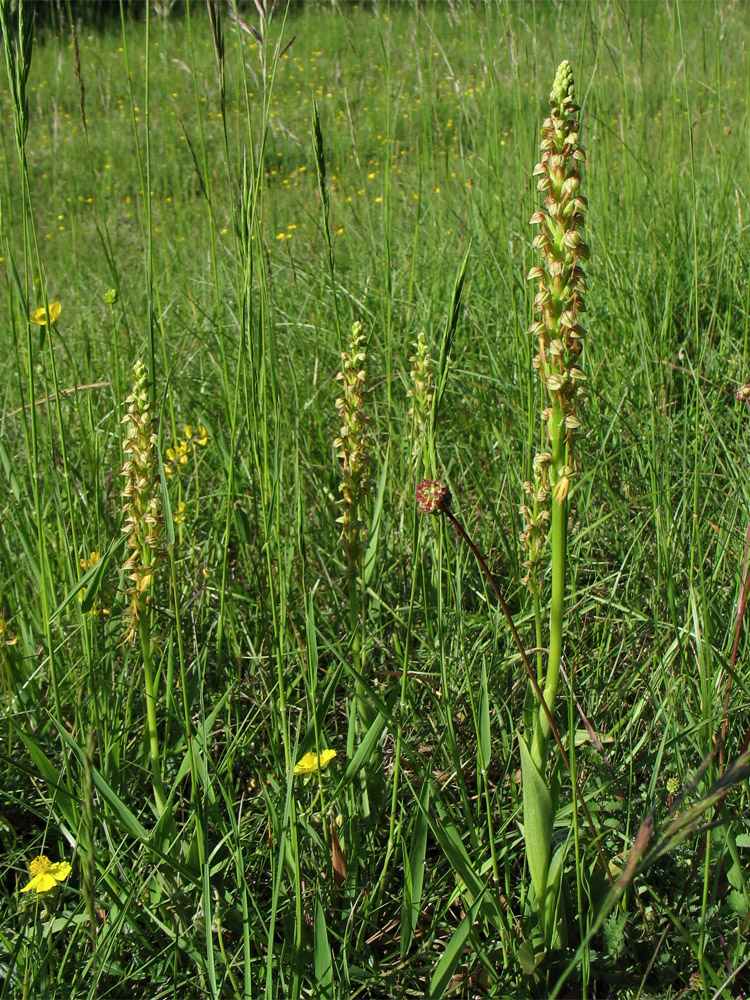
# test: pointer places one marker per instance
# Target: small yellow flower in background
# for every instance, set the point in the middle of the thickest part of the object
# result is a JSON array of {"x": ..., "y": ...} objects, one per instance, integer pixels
[
  {"x": 89, "y": 563},
  {"x": 3, "y": 630},
  {"x": 311, "y": 763},
  {"x": 39, "y": 316},
  {"x": 179, "y": 516},
  {"x": 201, "y": 439},
  {"x": 178, "y": 455},
  {"x": 45, "y": 875}
]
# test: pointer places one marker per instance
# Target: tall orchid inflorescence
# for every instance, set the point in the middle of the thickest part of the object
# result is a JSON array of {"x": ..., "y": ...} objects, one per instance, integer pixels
[
  {"x": 142, "y": 504},
  {"x": 142, "y": 523},
  {"x": 558, "y": 304},
  {"x": 351, "y": 446},
  {"x": 559, "y": 334}
]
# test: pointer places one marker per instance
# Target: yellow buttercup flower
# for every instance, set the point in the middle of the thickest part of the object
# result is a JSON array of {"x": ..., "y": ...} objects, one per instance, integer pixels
[
  {"x": 45, "y": 875},
  {"x": 39, "y": 316},
  {"x": 311, "y": 763}
]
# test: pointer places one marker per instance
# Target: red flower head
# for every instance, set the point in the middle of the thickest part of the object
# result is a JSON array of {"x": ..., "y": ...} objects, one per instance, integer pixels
[{"x": 433, "y": 497}]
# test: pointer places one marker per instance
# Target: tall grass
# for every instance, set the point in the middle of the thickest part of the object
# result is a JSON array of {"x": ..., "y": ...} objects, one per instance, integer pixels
[{"x": 174, "y": 208}]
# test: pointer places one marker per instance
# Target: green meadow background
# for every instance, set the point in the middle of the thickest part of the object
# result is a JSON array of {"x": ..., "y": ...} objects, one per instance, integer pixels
[{"x": 192, "y": 190}]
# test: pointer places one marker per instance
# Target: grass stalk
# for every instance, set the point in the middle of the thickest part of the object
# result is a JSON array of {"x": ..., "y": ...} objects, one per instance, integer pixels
[{"x": 152, "y": 727}]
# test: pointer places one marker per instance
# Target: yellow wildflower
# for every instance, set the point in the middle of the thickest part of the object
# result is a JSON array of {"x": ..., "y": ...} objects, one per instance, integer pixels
[
  {"x": 3, "y": 630},
  {"x": 311, "y": 763},
  {"x": 45, "y": 875},
  {"x": 201, "y": 438},
  {"x": 39, "y": 316}
]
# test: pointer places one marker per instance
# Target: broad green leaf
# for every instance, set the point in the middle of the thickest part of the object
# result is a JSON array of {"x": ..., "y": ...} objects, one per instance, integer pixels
[
  {"x": 554, "y": 917},
  {"x": 538, "y": 819},
  {"x": 322, "y": 956},
  {"x": 365, "y": 749},
  {"x": 527, "y": 959}
]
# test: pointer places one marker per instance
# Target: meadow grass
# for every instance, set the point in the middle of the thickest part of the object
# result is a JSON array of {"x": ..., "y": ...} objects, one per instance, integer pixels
[{"x": 185, "y": 227}]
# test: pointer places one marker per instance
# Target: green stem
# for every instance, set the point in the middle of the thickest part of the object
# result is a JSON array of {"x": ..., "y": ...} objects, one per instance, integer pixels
[
  {"x": 529, "y": 703},
  {"x": 545, "y": 709},
  {"x": 558, "y": 541},
  {"x": 152, "y": 732}
]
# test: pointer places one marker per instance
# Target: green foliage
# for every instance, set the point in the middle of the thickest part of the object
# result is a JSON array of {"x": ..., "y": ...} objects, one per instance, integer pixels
[{"x": 185, "y": 177}]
